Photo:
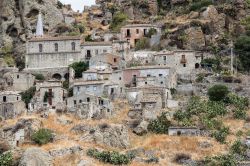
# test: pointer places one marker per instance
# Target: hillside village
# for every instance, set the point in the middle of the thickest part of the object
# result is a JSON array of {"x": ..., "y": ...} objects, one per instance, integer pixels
[{"x": 125, "y": 83}]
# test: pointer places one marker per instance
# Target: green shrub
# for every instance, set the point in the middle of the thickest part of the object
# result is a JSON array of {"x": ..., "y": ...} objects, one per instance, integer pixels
[
  {"x": 39, "y": 77},
  {"x": 151, "y": 32},
  {"x": 209, "y": 123},
  {"x": 66, "y": 84},
  {"x": 222, "y": 160},
  {"x": 200, "y": 77},
  {"x": 238, "y": 148},
  {"x": 239, "y": 114},
  {"x": 109, "y": 157},
  {"x": 142, "y": 44},
  {"x": 221, "y": 135},
  {"x": 70, "y": 92},
  {"x": 238, "y": 101},
  {"x": 118, "y": 21},
  {"x": 88, "y": 38},
  {"x": 79, "y": 67},
  {"x": 218, "y": 92},
  {"x": 160, "y": 125},
  {"x": 42, "y": 136},
  {"x": 197, "y": 5},
  {"x": 6, "y": 159},
  {"x": 28, "y": 95},
  {"x": 214, "y": 62}
]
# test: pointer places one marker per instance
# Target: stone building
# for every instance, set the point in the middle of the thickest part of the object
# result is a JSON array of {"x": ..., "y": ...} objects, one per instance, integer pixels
[
  {"x": 87, "y": 106},
  {"x": 18, "y": 81},
  {"x": 44, "y": 54},
  {"x": 11, "y": 104},
  {"x": 186, "y": 131},
  {"x": 92, "y": 49},
  {"x": 134, "y": 32},
  {"x": 106, "y": 61},
  {"x": 184, "y": 61},
  {"x": 148, "y": 75},
  {"x": 49, "y": 94}
]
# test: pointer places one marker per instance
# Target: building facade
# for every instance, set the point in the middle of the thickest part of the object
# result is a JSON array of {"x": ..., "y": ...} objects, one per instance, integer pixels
[{"x": 134, "y": 32}]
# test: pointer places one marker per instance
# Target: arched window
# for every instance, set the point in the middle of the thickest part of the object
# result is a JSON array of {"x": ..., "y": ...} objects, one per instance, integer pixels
[
  {"x": 56, "y": 47},
  {"x": 73, "y": 46},
  {"x": 40, "y": 48}
]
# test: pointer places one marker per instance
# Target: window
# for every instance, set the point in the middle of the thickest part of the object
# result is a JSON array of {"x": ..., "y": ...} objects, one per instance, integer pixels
[
  {"x": 56, "y": 47},
  {"x": 73, "y": 46},
  {"x": 74, "y": 102},
  {"x": 146, "y": 61},
  {"x": 128, "y": 33},
  {"x": 78, "y": 88},
  {"x": 17, "y": 98},
  {"x": 104, "y": 51},
  {"x": 184, "y": 65},
  {"x": 145, "y": 31},
  {"x": 4, "y": 99},
  {"x": 17, "y": 76},
  {"x": 160, "y": 75},
  {"x": 40, "y": 48},
  {"x": 88, "y": 99},
  {"x": 146, "y": 83},
  {"x": 161, "y": 82},
  {"x": 137, "y": 31},
  {"x": 164, "y": 58},
  {"x": 115, "y": 60},
  {"x": 148, "y": 75},
  {"x": 120, "y": 78},
  {"x": 96, "y": 52},
  {"x": 80, "y": 101}
]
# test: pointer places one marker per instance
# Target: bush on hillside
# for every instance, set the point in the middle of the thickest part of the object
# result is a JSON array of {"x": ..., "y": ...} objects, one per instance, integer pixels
[
  {"x": 160, "y": 125},
  {"x": 28, "y": 95},
  {"x": 42, "y": 136},
  {"x": 109, "y": 157},
  {"x": 218, "y": 92},
  {"x": 6, "y": 159}
]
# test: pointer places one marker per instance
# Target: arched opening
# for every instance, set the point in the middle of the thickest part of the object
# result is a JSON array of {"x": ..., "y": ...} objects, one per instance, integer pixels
[
  {"x": 4, "y": 99},
  {"x": 12, "y": 31},
  {"x": 73, "y": 45},
  {"x": 197, "y": 65},
  {"x": 66, "y": 76},
  {"x": 57, "y": 76},
  {"x": 56, "y": 47},
  {"x": 40, "y": 48}
]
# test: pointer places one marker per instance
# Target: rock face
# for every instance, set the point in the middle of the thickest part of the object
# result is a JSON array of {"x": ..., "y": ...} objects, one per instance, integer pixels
[
  {"x": 113, "y": 135},
  {"x": 18, "y": 20},
  {"x": 35, "y": 157}
]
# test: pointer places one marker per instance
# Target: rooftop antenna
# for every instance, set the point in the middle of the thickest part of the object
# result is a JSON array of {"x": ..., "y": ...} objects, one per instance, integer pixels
[{"x": 39, "y": 25}]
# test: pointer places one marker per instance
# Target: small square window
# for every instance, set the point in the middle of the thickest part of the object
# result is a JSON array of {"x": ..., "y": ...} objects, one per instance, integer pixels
[
  {"x": 120, "y": 78},
  {"x": 146, "y": 83},
  {"x": 184, "y": 65},
  {"x": 17, "y": 76},
  {"x": 160, "y": 75},
  {"x": 137, "y": 31}
]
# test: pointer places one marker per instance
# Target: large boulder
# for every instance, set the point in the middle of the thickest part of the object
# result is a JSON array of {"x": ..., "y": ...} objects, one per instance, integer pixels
[
  {"x": 35, "y": 157},
  {"x": 113, "y": 135}
]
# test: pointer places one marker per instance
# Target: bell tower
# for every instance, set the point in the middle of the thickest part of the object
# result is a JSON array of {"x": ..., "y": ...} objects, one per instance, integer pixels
[{"x": 39, "y": 26}]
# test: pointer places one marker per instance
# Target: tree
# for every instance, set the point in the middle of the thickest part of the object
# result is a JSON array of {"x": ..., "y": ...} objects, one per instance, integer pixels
[
  {"x": 42, "y": 136},
  {"x": 79, "y": 67},
  {"x": 218, "y": 92},
  {"x": 39, "y": 77},
  {"x": 242, "y": 47},
  {"x": 117, "y": 21},
  {"x": 28, "y": 95},
  {"x": 142, "y": 44}
]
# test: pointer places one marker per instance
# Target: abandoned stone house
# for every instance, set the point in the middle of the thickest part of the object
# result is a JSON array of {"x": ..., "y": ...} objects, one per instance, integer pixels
[
  {"x": 151, "y": 97},
  {"x": 184, "y": 61},
  {"x": 185, "y": 131},
  {"x": 46, "y": 53},
  {"x": 18, "y": 81},
  {"x": 11, "y": 104},
  {"x": 87, "y": 106},
  {"x": 107, "y": 61},
  {"x": 140, "y": 58},
  {"x": 49, "y": 94},
  {"x": 134, "y": 32},
  {"x": 92, "y": 49},
  {"x": 149, "y": 75}
]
